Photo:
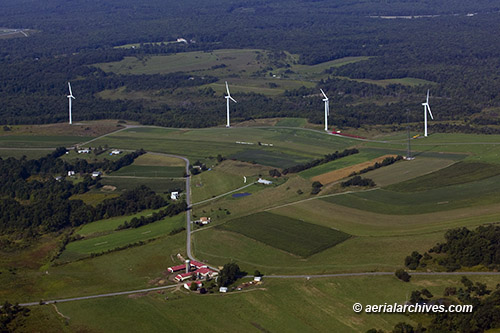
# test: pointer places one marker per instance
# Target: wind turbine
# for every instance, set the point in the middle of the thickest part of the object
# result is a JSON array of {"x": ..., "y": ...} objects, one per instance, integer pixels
[
  {"x": 427, "y": 108},
  {"x": 327, "y": 109},
  {"x": 70, "y": 96},
  {"x": 228, "y": 97}
]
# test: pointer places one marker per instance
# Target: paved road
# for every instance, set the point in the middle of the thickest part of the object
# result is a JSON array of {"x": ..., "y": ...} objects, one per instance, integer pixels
[
  {"x": 129, "y": 292},
  {"x": 375, "y": 274},
  {"x": 100, "y": 295},
  {"x": 222, "y": 195}
]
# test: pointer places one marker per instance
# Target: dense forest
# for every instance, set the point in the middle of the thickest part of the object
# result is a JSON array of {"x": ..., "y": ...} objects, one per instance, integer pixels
[
  {"x": 32, "y": 201},
  {"x": 484, "y": 316},
  {"x": 462, "y": 248},
  {"x": 454, "y": 44}
]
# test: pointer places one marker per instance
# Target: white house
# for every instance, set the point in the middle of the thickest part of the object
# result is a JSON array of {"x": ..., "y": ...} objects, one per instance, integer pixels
[
  {"x": 223, "y": 289},
  {"x": 188, "y": 284},
  {"x": 264, "y": 181},
  {"x": 96, "y": 173},
  {"x": 71, "y": 173},
  {"x": 174, "y": 195},
  {"x": 84, "y": 151},
  {"x": 257, "y": 278},
  {"x": 115, "y": 152}
]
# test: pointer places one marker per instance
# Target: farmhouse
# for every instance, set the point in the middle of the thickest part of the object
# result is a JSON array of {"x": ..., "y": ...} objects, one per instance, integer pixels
[
  {"x": 223, "y": 289},
  {"x": 84, "y": 151},
  {"x": 205, "y": 273},
  {"x": 71, "y": 173},
  {"x": 174, "y": 195},
  {"x": 188, "y": 284},
  {"x": 264, "y": 181},
  {"x": 96, "y": 173},
  {"x": 203, "y": 220},
  {"x": 115, "y": 152}
]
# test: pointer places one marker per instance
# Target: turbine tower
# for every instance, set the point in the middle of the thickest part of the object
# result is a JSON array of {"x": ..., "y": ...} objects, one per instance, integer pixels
[
  {"x": 228, "y": 97},
  {"x": 426, "y": 108},
  {"x": 70, "y": 96},
  {"x": 327, "y": 109}
]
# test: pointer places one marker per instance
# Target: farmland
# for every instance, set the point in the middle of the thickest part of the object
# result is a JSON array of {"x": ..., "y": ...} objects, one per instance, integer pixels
[
  {"x": 300, "y": 238},
  {"x": 117, "y": 239},
  {"x": 150, "y": 171},
  {"x": 278, "y": 229},
  {"x": 291, "y": 305}
]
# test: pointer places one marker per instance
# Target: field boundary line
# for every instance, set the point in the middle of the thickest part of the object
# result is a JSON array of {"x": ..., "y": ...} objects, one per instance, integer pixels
[
  {"x": 221, "y": 195},
  {"x": 319, "y": 197}
]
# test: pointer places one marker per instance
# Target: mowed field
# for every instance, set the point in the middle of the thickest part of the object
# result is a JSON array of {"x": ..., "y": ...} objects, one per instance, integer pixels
[
  {"x": 83, "y": 248},
  {"x": 150, "y": 171},
  {"x": 323, "y": 305},
  {"x": 335, "y": 175},
  {"x": 289, "y": 145},
  {"x": 291, "y": 235}
]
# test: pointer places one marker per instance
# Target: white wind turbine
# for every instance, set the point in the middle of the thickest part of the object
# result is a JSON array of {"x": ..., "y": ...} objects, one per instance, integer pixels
[
  {"x": 327, "y": 109},
  {"x": 70, "y": 96},
  {"x": 427, "y": 108},
  {"x": 228, "y": 97}
]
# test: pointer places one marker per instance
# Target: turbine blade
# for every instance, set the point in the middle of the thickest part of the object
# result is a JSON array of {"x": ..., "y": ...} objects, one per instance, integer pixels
[
  {"x": 429, "y": 109},
  {"x": 427, "y": 97},
  {"x": 232, "y": 99},
  {"x": 69, "y": 86},
  {"x": 324, "y": 93},
  {"x": 227, "y": 89}
]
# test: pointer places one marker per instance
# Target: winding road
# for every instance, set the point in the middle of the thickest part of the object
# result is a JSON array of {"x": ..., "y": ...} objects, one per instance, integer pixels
[{"x": 189, "y": 231}]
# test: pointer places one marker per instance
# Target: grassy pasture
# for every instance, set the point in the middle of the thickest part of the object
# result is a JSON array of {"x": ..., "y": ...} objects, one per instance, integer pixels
[
  {"x": 40, "y": 141},
  {"x": 400, "y": 172},
  {"x": 478, "y": 193},
  {"x": 217, "y": 246},
  {"x": 359, "y": 222},
  {"x": 83, "y": 248},
  {"x": 159, "y": 160},
  {"x": 159, "y": 185},
  {"x": 482, "y": 148},
  {"x": 202, "y": 143},
  {"x": 291, "y": 235},
  {"x": 332, "y": 176},
  {"x": 343, "y": 162},
  {"x": 184, "y": 62},
  {"x": 150, "y": 171},
  {"x": 108, "y": 225},
  {"x": 29, "y": 153},
  {"x": 279, "y": 306},
  {"x": 212, "y": 183},
  {"x": 269, "y": 157},
  {"x": 292, "y": 122},
  {"x": 458, "y": 173},
  {"x": 242, "y": 168}
]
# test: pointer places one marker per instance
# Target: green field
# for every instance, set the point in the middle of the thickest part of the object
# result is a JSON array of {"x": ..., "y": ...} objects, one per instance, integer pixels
[
  {"x": 108, "y": 225},
  {"x": 478, "y": 193},
  {"x": 323, "y": 305},
  {"x": 159, "y": 185},
  {"x": 83, "y": 248},
  {"x": 292, "y": 122},
  {"x": 150, "y": 171},
  {"x": 40, "y": 141},
  {"x": 200, "y": 144},
  {"x": 458, "y": 173},
  {"x": 300, "y": 238},
  {"x": 212, "y": 183},
  {"x": 183, "y": 62},
  {"x": 341, "y": 163},
  {"x": 269, "y": 157},
  {"x": 29, "y": 153}
]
